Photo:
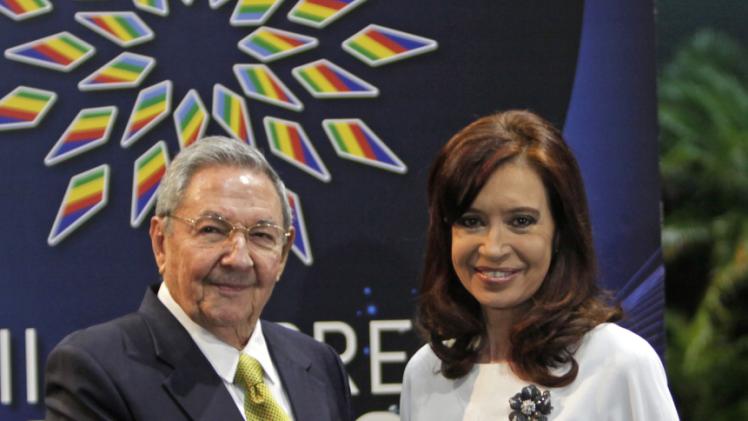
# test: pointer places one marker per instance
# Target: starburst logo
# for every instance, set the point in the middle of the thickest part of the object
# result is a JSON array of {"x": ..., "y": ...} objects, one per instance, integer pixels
[{"x": 87, "y": 192}]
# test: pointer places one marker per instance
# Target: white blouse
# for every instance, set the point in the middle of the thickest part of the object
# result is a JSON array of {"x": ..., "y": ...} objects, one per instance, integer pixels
[{"x": 620, "y": 378}]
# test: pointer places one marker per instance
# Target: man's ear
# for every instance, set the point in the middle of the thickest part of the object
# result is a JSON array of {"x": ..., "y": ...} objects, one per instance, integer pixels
[
  {"x": 158, "y": 237},
  {"x": 286, "y": 252}
]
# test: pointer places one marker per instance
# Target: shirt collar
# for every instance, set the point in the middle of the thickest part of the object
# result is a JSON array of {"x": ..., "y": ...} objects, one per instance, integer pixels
[{"x": 223, "y": 357}]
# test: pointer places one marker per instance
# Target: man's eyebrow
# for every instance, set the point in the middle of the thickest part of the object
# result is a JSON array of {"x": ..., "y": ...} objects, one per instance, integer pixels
[{"x": 214, "y": 214}]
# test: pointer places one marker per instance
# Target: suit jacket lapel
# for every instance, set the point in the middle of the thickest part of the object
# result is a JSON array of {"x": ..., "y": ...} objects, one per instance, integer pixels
[
  {"x": 192, "y": 383},
  {"x": 200, "y": 395},
  {"x": 305, "y": 392}
]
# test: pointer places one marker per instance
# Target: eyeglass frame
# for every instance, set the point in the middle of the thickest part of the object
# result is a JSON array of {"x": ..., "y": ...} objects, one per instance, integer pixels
[{"x": 245, "y": 230}]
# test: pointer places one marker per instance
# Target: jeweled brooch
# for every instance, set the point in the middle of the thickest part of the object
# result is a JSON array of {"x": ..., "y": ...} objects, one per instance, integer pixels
[{"x": 530, "y": 405}]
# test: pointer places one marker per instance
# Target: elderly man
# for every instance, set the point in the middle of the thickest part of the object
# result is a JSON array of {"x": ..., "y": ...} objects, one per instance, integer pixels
[{"x": 196, "y": 349}]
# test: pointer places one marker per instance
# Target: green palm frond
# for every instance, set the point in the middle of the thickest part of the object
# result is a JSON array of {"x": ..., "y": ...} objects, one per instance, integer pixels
[{"x": 703, "y": 115}]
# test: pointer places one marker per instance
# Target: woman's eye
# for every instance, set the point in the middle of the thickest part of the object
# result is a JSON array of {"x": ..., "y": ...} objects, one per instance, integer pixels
[
  {"x": 522, "y": 221},
  {"x": 468, "y": 221}
]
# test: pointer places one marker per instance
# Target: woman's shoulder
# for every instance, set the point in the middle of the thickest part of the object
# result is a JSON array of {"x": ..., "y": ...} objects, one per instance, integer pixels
[
  {"x": 428, "y": 395},
  {"x": 614, "y": 344},
  {"x": 611, "y": 334},
  {"x": 626, "y": 372},
  {"x": 424, "y": 361}
]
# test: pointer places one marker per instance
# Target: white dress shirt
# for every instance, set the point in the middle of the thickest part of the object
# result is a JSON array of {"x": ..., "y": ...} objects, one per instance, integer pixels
[
  {"x": 225, "y": 358},
  {"x": 620, "y": 378}
]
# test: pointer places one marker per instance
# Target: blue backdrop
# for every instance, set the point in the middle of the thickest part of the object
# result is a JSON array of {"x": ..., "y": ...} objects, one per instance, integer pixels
[{"x": 588, "y": 67}]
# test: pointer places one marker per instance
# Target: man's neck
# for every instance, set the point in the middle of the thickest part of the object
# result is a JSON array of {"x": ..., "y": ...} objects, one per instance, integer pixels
[{"x": 236, "y": 336}]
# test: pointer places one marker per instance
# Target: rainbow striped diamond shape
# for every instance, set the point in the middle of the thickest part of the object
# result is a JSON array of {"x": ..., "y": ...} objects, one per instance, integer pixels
[
  {"x": 289, "y": 142},
  {"x": 147, "y": 173},
  {"x": 190, "y": 119},
  {"x": 354, "y": 140},
  {"x": 157, "y": 7},
  {"x": 86, "y": 195},
  {"x": 90, "y": 128},
  {"x": 323, "y": 79},
  {"x": 87, "y": 192},
  {"x": 152, "y": 105},
  {"x": 267, "y": 44},
  {"x": 127, "y": 70},
  {"x": 24, "y": 107},
  {"x": 376, "y": 45},
  {"x": 253, "y": 12},
  {"x": 259, "y": 82},
  {"x": 215, "y": 4},
  {"x": 24, "y": 9},
  {"x": 62, "y": 51},
  {"x": 231, "y": 112},
  {"x": 320, "y": 13},
  {"x": 300, "y": 246},
  {"x": 123, "y": 28}
]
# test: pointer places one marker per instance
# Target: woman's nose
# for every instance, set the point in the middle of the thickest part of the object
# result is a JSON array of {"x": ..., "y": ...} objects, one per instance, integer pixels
[{"x": 495, "y": 243}]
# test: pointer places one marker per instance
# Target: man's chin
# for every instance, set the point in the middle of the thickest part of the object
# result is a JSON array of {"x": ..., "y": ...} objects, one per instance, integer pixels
[{"x": 226, "y": 318}]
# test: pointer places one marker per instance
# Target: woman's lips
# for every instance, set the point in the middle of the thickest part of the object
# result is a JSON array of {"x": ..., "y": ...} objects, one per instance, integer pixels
[{"x": 496, "y": 275}]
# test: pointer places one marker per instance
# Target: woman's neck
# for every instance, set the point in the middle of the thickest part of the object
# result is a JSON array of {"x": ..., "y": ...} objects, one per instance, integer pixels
[{"x": 497, "y": 347}]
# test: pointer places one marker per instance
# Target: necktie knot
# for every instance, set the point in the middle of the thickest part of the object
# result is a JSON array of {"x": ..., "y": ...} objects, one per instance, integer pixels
[
  {"x": 249, "y": 372},
  {"x": 259, "y": 404}
]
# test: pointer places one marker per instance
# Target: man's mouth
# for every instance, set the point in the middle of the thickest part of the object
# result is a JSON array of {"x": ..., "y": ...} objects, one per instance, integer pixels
[{"x": 229, "y": 284}]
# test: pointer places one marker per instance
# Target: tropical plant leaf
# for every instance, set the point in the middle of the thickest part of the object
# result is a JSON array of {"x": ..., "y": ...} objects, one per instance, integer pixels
[{"x": 703, "y": 115}]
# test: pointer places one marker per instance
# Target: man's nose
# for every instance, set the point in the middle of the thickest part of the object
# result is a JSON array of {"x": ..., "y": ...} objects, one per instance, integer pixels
[{"x": 239, "y": 256}]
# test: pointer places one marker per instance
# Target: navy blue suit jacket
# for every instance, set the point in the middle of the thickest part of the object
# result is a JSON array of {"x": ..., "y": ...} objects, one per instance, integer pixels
[{"x": 145, "y": 366}]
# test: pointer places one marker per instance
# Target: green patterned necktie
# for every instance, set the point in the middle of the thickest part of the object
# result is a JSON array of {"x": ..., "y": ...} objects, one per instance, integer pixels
[{"x": 259, "y": 404}]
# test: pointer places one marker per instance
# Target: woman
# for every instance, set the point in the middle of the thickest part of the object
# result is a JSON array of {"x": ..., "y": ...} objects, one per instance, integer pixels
[{"x": 516, "y": 325}]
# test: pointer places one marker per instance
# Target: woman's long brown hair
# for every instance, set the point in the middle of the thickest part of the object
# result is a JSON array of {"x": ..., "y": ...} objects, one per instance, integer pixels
[{"x": 566, "y": 306}]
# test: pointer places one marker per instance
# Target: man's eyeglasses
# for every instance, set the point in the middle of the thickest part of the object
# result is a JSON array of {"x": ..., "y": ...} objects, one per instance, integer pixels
[{"x": 214, "y": 230}]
